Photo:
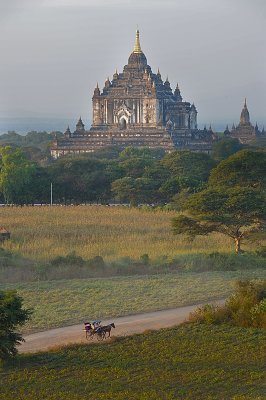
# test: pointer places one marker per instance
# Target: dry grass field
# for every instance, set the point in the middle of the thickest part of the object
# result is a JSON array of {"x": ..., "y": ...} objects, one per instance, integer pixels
[{"x": 42, "y": 233}]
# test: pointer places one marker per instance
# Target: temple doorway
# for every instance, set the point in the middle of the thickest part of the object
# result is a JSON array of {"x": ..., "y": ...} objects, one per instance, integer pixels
[{"x": 123, "y": 123}]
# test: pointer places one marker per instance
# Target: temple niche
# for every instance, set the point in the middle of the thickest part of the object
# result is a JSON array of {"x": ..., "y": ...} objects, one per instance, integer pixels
[{"x": 137, "y": 108}]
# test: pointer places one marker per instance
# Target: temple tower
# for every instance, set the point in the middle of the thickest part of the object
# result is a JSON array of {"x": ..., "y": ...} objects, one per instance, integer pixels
[{"x": 244, "y": 117}]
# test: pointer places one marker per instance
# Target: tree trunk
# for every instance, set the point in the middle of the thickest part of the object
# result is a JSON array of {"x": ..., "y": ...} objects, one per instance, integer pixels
[{"x": 237, "y": 242}]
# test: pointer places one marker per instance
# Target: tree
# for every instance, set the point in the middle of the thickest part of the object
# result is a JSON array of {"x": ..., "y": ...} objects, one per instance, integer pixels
[
  {"x": 16, "y": 174},
  {"x": 196, "y": 166},
  {"x": 245, "y": 168},
  {"x": 135, "y": 166},
  {"x": 79, "y": 180},
  {"x": 235, "y": 212},
  {"x": 125, "y": 190},
  {"x": 12, "y": 315}
]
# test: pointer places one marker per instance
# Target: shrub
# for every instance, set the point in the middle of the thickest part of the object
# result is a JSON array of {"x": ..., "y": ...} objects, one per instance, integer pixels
[
  {"x": 210, "y": 314},
  {"x": 248, "y": 295},
  {"x": 261, "y": 252},
  {"x": 246, "y": 307},
  {"x": 258, "y": 314},
  {"x": 145, "y": 259},
  {"x": 97, "y": 262},
  {"x": 69, "y": 259}
]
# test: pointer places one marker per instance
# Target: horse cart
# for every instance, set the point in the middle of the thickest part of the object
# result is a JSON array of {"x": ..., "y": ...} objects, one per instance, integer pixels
[{"x": 95, "y": 329}]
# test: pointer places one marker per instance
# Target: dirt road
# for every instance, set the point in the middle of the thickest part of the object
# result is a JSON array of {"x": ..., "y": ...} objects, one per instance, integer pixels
[{"x": 125, "y": 326}]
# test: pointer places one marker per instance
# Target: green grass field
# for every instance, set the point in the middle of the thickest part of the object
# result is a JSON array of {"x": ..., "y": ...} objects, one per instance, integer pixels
[
  {"x": 43, "y": 233},
  {"x": 190, "y": 362},
  {"x": 60, "y": 303}
]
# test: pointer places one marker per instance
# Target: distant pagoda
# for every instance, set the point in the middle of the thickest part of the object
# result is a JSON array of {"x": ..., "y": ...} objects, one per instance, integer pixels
[
  {"x": 137, "y": 109},
  {"x": 245, "y": 132}
]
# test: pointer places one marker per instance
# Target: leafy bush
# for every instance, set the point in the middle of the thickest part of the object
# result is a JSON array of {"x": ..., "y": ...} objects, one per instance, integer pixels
[
  {"x": 248, "y": 295},
  {"x": 97, "y": 262},
  {"x": 261, "y": 252},
  {"x": 69, "y": 259},
  {"x": 145, "y": 259},
  {"x": 258, "y": 314},
  {"x": 210, "y": 314},
  {"x": 246, "y": 307}
]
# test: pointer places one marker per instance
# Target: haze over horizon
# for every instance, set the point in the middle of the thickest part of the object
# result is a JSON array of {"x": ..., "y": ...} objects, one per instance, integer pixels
[{"x": 54, "y": 52}]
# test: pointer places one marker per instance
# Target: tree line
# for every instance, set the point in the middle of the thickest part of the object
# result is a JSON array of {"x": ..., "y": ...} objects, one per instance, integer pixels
[{"x": 134, "y": 175}]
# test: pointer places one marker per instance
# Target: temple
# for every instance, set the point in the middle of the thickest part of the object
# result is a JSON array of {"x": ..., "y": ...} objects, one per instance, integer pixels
[
  {"x": 245, "y": 132},
  {"x": 137, "y": 108}
]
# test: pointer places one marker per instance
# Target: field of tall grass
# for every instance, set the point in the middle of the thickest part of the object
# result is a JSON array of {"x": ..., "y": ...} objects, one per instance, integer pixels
[
  {"x": 188, "y": 362},
  {"x": 43, "y": 233}
]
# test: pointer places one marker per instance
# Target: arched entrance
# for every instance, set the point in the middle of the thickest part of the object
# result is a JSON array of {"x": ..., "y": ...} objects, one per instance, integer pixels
[{"x": 123, "y": 123}]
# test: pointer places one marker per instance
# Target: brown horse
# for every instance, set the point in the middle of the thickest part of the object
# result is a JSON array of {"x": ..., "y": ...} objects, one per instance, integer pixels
[{"x": 106, "y": 329}]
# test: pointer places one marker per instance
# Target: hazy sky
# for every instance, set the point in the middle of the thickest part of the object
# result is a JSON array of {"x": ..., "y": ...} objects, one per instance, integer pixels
[{"x": 54, "y": 51}]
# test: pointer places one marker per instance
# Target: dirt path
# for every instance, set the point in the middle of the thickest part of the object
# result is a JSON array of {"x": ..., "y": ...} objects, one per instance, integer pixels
[{"x": 125, "y": 326}]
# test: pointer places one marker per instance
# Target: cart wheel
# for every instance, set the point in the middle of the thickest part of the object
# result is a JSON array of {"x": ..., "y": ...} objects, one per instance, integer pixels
[{"x": 89, "y": 335}]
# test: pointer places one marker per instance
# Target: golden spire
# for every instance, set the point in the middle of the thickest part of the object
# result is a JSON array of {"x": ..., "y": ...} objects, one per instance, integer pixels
[{"x": 137, "y": 48}]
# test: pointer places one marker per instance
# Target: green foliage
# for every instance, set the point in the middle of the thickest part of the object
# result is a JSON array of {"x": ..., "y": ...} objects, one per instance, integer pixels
[
  {"x": 240, "y": 305},
  {"x": 226, "y": 147},
  {"x": 141, "y": 152},
  {"x": 189, "y": 165},
  {"x": 145, "y": 259},
  {"x": 261, "y": 252},
  {"x": 107, "y": 153},
  {"x": 187, "y": 362},
  {"x": 189, "y": 226},
  {"x": 246, "y": 307},
  {"x": 258, "y": 314},
  {"x": 36, "y": 145},
  {"x": 12, "y": 315},
  {"x": 135, "y": 167},
  {"x": 245, "y": 168},
  {"x": 69, "y": 259},
  {"x": 16, "y": 176},
  {"x": 79, "y": 180}
]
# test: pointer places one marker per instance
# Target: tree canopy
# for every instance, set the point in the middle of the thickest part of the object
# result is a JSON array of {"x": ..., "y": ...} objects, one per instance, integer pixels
[{"x": 224, "y": 148}]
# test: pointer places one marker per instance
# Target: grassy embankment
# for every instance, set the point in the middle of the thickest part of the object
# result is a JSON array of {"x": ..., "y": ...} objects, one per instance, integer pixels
[
  {"x": 185, "y": 363},
  {"x": 60, "y": 303}
]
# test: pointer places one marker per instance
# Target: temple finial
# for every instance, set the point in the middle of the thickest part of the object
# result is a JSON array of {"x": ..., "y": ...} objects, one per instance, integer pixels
[
  {"x": 245, "y": 105},
  {"x": 137, "y": 48}
]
